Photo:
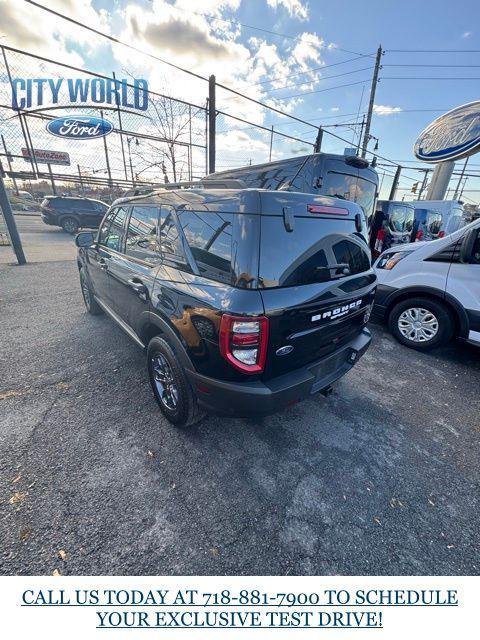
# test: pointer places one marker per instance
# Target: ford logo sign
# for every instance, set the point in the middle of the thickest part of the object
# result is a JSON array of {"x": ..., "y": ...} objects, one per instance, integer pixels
[
  {"x": 79, "y": 127},
  {"x": 454, "y": 135}
]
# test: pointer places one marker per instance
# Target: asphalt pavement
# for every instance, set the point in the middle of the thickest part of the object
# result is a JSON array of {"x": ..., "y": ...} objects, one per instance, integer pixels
[{"x": 381, "y": 478}]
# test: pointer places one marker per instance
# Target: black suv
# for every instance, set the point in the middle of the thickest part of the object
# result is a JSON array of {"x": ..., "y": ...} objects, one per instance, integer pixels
[
  {"x": 72, "y": 213},
  {"x": 245, "y": 300}
]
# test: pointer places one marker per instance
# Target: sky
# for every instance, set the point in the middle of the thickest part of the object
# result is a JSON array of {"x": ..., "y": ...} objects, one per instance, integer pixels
[{"x": 313, "y": 59}]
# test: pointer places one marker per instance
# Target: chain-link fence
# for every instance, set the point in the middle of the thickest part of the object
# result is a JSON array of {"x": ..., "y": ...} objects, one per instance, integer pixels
[{"x": 164, "y": 143}]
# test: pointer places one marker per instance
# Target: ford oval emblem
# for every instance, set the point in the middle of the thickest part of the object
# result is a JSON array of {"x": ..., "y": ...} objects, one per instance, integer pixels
[
  {"x": 284, "y": 350},
  {"x": 454, "y": 135},
  {"x": 79, "y": 127}
]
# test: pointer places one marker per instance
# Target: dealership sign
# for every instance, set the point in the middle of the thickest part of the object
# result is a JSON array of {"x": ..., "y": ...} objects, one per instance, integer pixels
[
  {"x": 454, "y": 135},
  {"x": 31, "y": 93},
  {"x": 80, "y": 127},
  {"x": 46, "y": 156}
]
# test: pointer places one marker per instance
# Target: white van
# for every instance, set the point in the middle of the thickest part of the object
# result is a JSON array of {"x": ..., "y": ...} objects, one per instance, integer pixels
[
  {"x": 453, "y": 215},
  {"x": 429, "y": 292}
]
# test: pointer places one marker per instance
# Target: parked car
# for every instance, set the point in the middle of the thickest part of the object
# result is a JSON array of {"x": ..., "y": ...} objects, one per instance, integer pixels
[
  {"x": 246, "y": 301},
  {"x": 429, "y": 292},
  {"x": 427, "y": 225},
  {"x": 22, "y": 200},
  {"x": 72, "y": 213},
  {"x": 453, "y": 214},
  {"x": 391, "y": 224}
]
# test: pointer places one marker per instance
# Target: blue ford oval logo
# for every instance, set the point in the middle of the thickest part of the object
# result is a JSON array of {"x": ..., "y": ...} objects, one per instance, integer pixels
[
  {"x": 284, "y": 350},
  {"x": 79, "y": 127},
  {"x": 452, "y": 136}
]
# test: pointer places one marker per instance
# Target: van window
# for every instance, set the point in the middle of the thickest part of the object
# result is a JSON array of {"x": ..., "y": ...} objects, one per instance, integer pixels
[
  {"x": 209, "y": 236},
  {"x": 315, "y": 251},
  {"x": 142, "y": 239},
  {"x": 398, "y": 217},
  {"x": 434, "y": 223},
  {"x": 349, "y": 187},
  {"x": 409, "y": 219},
  {"x": 455, "y": 222}
]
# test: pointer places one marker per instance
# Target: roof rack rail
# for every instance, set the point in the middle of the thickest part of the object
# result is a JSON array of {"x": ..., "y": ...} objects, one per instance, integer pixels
[{"x": 204, "y": 183}]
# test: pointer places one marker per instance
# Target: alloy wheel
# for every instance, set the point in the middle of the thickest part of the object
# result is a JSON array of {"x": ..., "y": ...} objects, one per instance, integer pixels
[{"x": 164, "y": 382}]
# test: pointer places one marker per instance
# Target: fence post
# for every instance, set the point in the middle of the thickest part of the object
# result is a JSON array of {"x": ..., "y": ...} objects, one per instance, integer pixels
[
  {"x": 51, "y": 178},
  {"x": 81, "y": 179},
  {"x": 211, "y": 124},
  {"x": 9, "y": 161},
  {"x": 10, "y": 221},
  {"x": 106, "y": 155}
]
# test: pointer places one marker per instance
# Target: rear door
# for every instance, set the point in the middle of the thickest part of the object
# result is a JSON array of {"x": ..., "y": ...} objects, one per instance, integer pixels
[
  {"x": 317, "y": 285},
  {"x": 132, "y": 269}
]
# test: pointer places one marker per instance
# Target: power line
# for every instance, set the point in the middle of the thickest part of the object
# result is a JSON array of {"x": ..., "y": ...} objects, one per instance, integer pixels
[
  {"x": 307, "y": 93},
  {"x": 433, "y": 65},
  {"x": 428, "y": 78},
  {"x": 308, "y": 70},
  {"x": 432, "y": 51},
  {"x": 338, "y": 75}
]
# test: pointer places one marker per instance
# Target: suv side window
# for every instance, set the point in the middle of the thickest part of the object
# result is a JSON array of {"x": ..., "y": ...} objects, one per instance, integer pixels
[
  {"x": 112, "y": 230},
  {"x": 170, "y": 241},
  {"x": 142, "y": 234},
  {"x": 209, "y": 236}
]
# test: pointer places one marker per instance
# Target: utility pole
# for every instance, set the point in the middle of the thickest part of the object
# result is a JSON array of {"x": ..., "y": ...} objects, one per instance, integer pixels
[
  {"x": 10, "y": 221},
  {"x": 361, "y": 134},
  {"x": 271, "y": 145},
  {"x": 366, "y": 135},
  {"x": 460, "y": 179},
  {"x": 424, "y": 183},
  {"x": 318, "y": 142},
  {"x": 106, "y": 155},
  {"x": 212, "y": 116},
  {"x": 396, "y": 178}
]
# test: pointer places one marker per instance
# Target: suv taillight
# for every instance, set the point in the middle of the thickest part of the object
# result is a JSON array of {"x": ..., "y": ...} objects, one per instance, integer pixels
[
  {"x": 419, "y": 236},
  {"x": 244, "y": 341}
]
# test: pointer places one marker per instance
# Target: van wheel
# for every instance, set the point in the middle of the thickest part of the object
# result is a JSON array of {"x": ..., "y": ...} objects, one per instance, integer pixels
[
  {"x": 92, "y": 305},
  {"x": 170, "y": 386},
  {"x": 421, "y": 323},
  {"x": 70, "y": 225}
]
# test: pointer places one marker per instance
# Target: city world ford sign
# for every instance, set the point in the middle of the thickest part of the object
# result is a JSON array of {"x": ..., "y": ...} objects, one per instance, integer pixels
[
  {"x": 454, "y": 135},
  {"x": 79, "y": 127}
]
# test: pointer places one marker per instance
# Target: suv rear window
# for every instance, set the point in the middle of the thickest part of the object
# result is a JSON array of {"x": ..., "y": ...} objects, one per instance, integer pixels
[
  {"x": 209, "y": 236},
  {"x": 315, "y": 251}
]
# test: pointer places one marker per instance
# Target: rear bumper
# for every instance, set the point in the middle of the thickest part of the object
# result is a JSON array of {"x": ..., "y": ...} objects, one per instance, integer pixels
[
  {"x": 258, "y": 398},
  {"x": 48, "y": 219}
]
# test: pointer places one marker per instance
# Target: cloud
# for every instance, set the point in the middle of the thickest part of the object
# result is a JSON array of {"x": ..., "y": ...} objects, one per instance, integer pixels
[
  {"x": 177, "y": 36},
  {"x": 308, "y": 49},
  {"x": 334, "y": 108},
  {"x": 294, "y": 7},
  {"x": 466, "y": 34},
  {"x": 385, "y": 110}
]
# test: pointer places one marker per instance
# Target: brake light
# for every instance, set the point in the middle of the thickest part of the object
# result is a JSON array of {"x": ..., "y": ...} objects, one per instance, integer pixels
[
  {"x": 441, "y": 234},
  {"x": 419, "y": 235},
  {"x": 243, "y": 342},
  {"x": 333, "y": 211}
]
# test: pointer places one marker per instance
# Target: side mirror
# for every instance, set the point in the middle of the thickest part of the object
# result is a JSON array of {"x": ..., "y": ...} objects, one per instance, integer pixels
[
  {"x": 468, "y": 243},
  {"x": 85, "y": 239}
]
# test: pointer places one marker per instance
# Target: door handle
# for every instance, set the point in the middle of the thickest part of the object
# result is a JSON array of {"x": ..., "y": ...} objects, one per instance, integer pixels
[{"x": 138, "y": 287}]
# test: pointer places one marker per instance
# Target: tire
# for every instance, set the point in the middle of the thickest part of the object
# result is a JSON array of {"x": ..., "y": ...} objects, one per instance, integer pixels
[
  {"x": 170, "y": 385},
  {"x": 70, "y": 225},
  {"x": 91, "y": 304},
  {"x": 434, "y": 323}
]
